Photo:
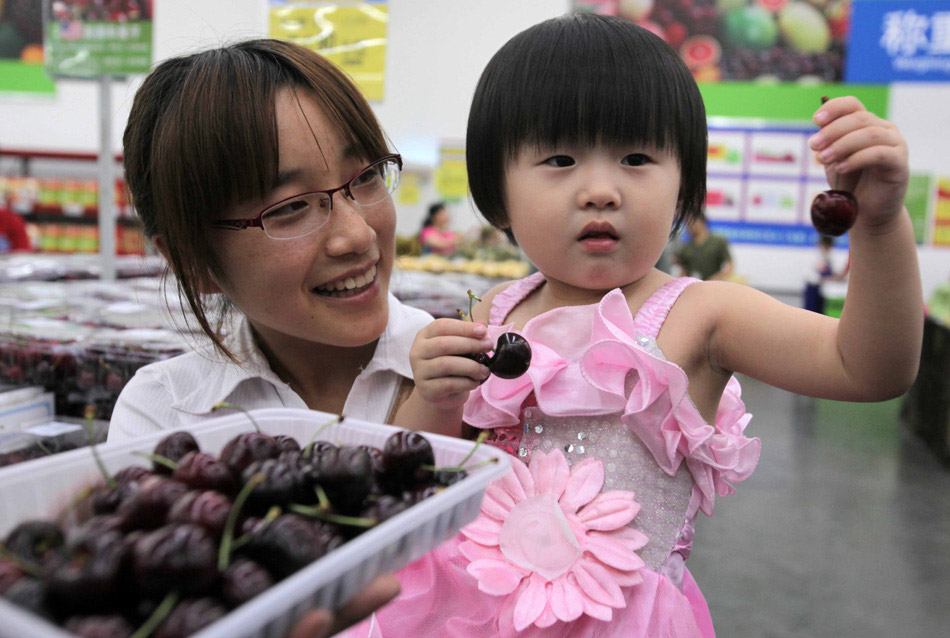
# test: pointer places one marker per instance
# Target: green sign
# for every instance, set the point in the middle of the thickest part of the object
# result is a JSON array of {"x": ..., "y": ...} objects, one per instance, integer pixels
[
  {"x": 96, "y": 48},
  {"x": 916, "y": 201}
]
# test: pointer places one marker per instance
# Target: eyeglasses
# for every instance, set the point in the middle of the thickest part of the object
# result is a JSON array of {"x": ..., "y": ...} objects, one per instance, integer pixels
[{"x": 306, "y": 213}]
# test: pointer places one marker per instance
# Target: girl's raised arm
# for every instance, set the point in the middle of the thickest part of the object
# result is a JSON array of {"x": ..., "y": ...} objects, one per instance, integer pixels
[{"x": 873, "y": 351}]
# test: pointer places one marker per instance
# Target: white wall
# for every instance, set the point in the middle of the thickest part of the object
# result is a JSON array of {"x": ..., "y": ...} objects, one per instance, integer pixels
[{"x": 436, "y": 51}]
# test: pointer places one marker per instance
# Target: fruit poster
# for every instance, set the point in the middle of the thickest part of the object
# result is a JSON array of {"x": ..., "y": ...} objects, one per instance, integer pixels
[
  {"x": 21, "y": 48},
  {"x": 93, "y": 38},
  {"x": 745, "y": 40},
  {"x": 351, "y": 33}
]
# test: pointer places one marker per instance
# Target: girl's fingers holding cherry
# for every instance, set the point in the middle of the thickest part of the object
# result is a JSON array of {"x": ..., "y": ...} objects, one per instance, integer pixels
[
  {"x": 447, "y": 391},
  {"x": 441, "y": 367},
  {"x": 450, "y": 346},
  {"x": 880, "y": 135},
  {"x": 454, "y": 328},
  {"x": 836, "y": 108}
]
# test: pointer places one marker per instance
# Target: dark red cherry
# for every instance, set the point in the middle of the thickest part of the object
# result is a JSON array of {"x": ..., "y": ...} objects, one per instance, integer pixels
[
  {"x": 404, "y": 454},
  {"x": 207, "y": 509},
  {"x": 35, "y": 542},
  {"x": 246, "y": 448},
  {"x": 203, "y": 471},
  {"x": 243, "y": 580},
  {"x": 833, "y": 212},
  {"x": 182, "y": 557},
  {"x": 9, "y": 574},
  {"x": 346, "y": 475},
  {"x": 148, "y": 507},
  {"x": 173, "y": 447},
  {"x": 88, "y": 576},
  {"x": 286, "y": 443},
  {"x": 289, "y": 543},
  {"x": 190, "y": 616},
  {"x": 111, "y": 626},
  {"x": 276, "y": 488},
  {"x": 512, "y": 356}
]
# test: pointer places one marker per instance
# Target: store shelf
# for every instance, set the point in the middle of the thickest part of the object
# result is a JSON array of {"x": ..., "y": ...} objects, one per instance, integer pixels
[{"x": 87, "y": 219}]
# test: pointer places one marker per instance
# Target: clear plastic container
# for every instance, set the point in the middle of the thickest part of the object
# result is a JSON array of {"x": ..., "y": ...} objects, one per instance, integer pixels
[{"x": 38, "y": 488}]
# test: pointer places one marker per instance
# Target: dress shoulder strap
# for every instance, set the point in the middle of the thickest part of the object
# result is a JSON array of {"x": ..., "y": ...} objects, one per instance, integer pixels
[
  {"x": 654, "y": 310},
  {"x": 507, "y": 299}
]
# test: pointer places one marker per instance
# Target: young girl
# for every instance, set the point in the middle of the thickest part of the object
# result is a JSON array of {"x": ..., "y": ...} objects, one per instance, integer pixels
[{"x": 587, "y": 145}]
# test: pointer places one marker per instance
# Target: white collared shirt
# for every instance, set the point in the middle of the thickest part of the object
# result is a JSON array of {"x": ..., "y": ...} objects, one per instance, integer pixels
[{"x": 182, "y": 390}]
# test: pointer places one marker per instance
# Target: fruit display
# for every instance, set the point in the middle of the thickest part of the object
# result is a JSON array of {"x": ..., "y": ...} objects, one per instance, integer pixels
[
  {"x": 507, "y": 269},
  {"x": 436, "y": 293},
  {"x": 192, "y": 530},
  {"x": 21, "y": 29},
  {"x": 769, "y": 40}
]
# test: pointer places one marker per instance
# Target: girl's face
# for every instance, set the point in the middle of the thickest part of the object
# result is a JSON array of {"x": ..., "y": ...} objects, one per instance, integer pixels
[
  {"x": 441, "y": 219},
  {"x": 592, "y": 218},
  {"x": 284, "y": 286}
]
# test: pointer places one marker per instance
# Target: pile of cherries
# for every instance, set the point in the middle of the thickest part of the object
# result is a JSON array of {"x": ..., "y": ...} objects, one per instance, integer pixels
[{"x": 167, "y": 550}]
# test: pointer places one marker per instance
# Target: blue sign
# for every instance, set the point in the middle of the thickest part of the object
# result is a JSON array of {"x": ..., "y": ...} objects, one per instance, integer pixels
[
  {"x": 772, "y": 234},
  {"x": 899, "y": 40}
]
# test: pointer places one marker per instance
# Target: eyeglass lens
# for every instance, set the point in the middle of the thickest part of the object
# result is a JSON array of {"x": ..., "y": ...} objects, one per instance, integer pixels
[{"x": 306, "y": 213}]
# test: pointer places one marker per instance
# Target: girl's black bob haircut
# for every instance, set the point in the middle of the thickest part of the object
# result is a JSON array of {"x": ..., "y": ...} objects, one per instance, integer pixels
[{"x": 584, "y": 79}]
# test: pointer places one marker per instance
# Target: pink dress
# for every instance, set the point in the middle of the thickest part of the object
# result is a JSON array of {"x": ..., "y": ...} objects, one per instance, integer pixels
[{"x": 588, "y": 535}]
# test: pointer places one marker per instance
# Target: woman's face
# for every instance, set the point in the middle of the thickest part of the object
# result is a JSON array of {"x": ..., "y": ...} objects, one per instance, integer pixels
[{"x": 289, "y": 288}]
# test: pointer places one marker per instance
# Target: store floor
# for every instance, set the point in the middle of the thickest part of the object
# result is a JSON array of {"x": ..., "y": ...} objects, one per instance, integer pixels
[{"x": 842, "y": 531}]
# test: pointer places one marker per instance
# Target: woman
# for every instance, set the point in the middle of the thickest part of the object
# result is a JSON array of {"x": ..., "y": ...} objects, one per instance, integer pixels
[
  {"x": 263, "y": 177},
  {"x": 435, "y": 236}
]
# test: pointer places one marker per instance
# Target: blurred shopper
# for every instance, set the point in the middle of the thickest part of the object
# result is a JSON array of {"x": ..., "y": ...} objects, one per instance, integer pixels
[
  {"x": 436, "y": 237},
  {"x": 822, "y": 270},
  {"x": 13, "y": 235},
  {"x": 705, "y": 255}
]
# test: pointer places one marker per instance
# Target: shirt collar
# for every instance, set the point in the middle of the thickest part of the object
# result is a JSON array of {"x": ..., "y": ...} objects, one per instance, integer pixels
[{"x": 392, "y": 354}]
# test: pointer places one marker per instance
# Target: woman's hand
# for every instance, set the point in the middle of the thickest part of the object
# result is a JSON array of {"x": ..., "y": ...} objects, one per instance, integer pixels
[
  {"x": 863, "y": 154},
  {"x": 321, "y": 623},
  {"x": 443, "y": 375}
]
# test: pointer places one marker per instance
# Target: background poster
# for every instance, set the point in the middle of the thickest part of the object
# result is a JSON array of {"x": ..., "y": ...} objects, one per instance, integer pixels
[
  {"x": 783, "y": 40},
  {"x": 351, "y": 33},
  {"x": 92, "y": 39},
  {"x": 21, "y": 48}
]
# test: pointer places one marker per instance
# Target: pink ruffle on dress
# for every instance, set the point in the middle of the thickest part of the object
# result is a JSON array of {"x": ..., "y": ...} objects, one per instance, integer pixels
[{"x": 589, "y": 533}]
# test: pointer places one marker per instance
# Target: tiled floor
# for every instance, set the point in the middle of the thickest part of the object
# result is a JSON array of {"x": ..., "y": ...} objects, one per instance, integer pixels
[{"x": 842, "y": 531}]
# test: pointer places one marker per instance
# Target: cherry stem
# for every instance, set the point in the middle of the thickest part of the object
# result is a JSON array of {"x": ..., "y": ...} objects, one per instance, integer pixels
[
  {"x": 163, "y": 609},
  {"x": 471, "y": 298},
  {"x": 91, "y": 437},
  {"x": 323, "y": 515},
  {"x": 224, "y": 551},
  {"x": 325, "y": 504},
  {"x": 158, "y": 458},
  {"x": 461, "y": 465},
  {"x": 25, "y": 566},
  {"x": 231, "y": 406},
  {"x": 308, "y": 449}
]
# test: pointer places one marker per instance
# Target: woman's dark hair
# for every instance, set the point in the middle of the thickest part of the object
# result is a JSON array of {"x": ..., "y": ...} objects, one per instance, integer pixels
[
  {"x": 202, "y": 137},
  {"x": 433, "y": 211},
  {"x": 584, "y": 79}
]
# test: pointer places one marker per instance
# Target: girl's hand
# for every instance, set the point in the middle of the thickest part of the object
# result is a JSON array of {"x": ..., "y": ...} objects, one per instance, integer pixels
[
  {"x": 443, "y": 376},
  {"x": 864, "y": 154}
]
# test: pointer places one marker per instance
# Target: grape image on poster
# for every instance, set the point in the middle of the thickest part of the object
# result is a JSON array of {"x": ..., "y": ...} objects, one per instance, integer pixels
[
  {"x": 776, "y": 153},
  {"x": 767, "y": 40},
  {"x": 723, "y": 198},
  {"x": 776, "y": 201}
]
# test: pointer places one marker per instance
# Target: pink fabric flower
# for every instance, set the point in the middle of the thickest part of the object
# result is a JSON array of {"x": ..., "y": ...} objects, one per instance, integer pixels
[{"x": 550, "y": 539}]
